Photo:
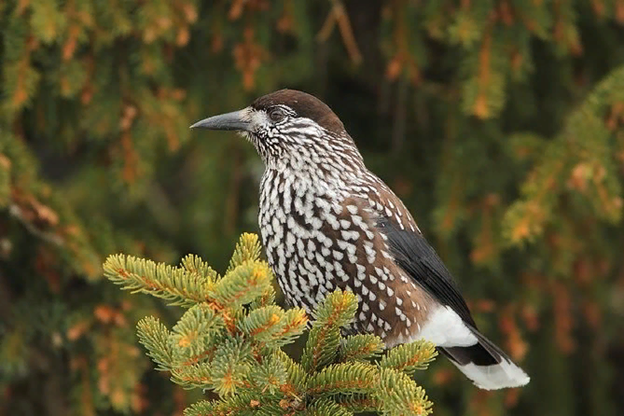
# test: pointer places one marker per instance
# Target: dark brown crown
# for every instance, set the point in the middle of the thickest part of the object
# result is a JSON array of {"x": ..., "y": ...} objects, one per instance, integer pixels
[{"x": 305, "y": 105}]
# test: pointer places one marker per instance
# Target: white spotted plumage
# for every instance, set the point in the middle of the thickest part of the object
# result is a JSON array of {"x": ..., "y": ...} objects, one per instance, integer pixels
[
  {"x": 298, "y": 196},
  {"x": 320, "y": 216}
]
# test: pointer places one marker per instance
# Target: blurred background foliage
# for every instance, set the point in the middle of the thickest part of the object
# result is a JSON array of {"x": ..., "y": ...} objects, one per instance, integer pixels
[{"x": 498, "y": 122}]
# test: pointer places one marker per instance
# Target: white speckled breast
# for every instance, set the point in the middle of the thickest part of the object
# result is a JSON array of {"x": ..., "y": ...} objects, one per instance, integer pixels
[{"x": 292, "y": 214}]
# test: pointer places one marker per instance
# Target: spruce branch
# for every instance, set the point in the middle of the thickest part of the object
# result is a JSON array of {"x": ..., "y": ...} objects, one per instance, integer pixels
[
  {"x": 175, "y": 285},
  {"x": 323, "y": 343},
  {"x": 324, "y": 407},
  {"x": 361, "y": 347},
  {"x": 295, "y": 321},
  {"x": 267, "y": 298},
  {"x": 297, "y": 376},
  {"x": 195, "y": 335},
  {"x": 263, "y": 323},
  {"x": 154, "y": 336},
  {"x": 229, "y": 341},
  {"x": 247, "y": 249},
  {"x": 242, "y": 285},
  {"x": 345, "y": 378},
  {"x": 359, "y": 403},
  {"x": 270, "y": 376},
  {"x": 579, "y": 153},
  {"x": 234, "y": 405},
  {"x": 199, "y": 269},
  {"x": 231, "y": 366},
  {"x": 409, "y": 357},
  {"x": 195, "y": 375},
  {"x": 400, "y": 395}
]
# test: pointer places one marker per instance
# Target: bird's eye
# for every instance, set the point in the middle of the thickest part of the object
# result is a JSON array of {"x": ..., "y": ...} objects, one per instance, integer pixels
[{"x": 276, "y": 115}]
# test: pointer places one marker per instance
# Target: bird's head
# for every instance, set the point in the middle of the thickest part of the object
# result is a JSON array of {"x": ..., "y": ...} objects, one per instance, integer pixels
[{"x": 288, "y": 126}]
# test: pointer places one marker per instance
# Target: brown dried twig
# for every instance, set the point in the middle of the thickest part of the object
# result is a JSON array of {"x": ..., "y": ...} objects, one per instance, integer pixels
[{"x": 339, "y": 16}]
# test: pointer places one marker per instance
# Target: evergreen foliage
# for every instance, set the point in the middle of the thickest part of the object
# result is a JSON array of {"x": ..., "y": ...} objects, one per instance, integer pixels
[{"x": 229, "y": 339}]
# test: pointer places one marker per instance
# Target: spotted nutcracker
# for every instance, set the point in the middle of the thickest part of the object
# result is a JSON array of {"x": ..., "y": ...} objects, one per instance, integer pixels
[{"x": 327, "y": 222}]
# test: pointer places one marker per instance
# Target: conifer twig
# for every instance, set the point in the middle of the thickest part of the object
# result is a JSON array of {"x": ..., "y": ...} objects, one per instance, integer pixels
[
  {"x": 229, "y": 339},
  {"x": 338, "y": 15}
]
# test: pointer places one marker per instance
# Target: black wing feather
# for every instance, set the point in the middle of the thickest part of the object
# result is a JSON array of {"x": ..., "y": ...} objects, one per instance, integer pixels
[{"x": 413, "y": 254}]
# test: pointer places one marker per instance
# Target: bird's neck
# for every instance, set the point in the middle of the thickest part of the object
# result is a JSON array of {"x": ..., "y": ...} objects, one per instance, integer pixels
[
  {"x": 325, "y": 173},
  {"x": 323, "y": 163}
]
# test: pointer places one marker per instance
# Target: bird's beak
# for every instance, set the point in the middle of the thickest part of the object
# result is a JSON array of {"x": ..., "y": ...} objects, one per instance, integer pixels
[{"x": 236, "y": 120}]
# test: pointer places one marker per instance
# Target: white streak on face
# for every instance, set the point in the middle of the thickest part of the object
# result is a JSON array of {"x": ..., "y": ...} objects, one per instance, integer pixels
[{"x": 259, "y": 119}]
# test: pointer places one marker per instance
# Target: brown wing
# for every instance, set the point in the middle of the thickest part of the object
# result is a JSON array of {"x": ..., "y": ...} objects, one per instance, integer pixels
[
  {"x": 392, "y": 305},
  {"x": 413, "y": 253}
]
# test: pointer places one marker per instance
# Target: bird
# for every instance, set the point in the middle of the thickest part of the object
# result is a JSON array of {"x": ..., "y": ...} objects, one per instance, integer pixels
[{"x": 327, "y": 222}]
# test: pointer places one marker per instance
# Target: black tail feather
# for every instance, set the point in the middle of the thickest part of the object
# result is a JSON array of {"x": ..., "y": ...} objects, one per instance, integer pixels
[{"x": 486, "y": 364}]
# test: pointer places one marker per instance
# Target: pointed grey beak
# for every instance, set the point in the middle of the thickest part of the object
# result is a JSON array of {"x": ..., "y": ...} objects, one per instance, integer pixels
[{"x": 236, "y": 120}]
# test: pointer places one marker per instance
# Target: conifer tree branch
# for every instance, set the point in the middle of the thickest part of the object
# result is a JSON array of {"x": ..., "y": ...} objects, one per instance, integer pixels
[
  {"x": 361, "y": 347},
  {"x": 229, "y": 339},
  {"x": 337, "y": 15},
  {"x": 247, "y": 249},
  {"x": 409, "y": 357},
  {"x": 528, "y": 217},
  {"x": 345, "y": 378},
  {"x": 399, "y": 394},
  {"x": 359, "y": 403},
  {"x": 336, "y": 311},
  {"x": 166, "y": 282},
  {"x": 153, "y": 335}
]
